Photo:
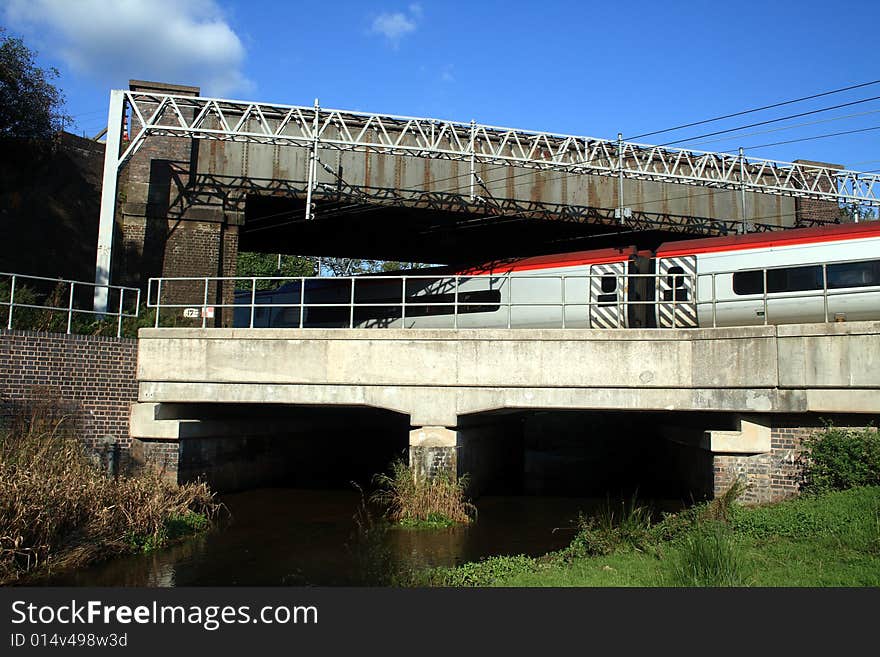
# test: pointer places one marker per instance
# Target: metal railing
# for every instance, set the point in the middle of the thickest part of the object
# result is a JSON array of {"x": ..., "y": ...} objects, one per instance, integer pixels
[
  {"x": 66, "y": 289},
  {"x": 347, "y": 296}
]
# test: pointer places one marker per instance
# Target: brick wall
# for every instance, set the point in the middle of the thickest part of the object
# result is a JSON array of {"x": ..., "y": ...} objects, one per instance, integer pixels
[
  {"x": 94, "y": 376},
  {"x": 777, "y": 474},
  {"x": 159, "y": 230},
  {"x": 432, "y": 461},
  {"x": 809, "y": 210}
]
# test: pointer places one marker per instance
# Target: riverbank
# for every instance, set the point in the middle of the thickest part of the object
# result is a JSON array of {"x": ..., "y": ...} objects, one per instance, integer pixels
[
  {"x": 825, "y": 539},
  {"x": 59, "y": 510}
]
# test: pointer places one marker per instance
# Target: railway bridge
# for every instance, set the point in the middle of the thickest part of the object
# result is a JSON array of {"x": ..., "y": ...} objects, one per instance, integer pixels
[
  {"x": 189, "y": 181},
  {"x": 725, "y": 402}
]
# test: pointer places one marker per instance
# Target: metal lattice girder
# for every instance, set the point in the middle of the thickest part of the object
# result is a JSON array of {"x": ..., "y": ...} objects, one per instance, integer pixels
[
  {"x": 346, "y": 199},
  {"x": 265, "y": 123}
]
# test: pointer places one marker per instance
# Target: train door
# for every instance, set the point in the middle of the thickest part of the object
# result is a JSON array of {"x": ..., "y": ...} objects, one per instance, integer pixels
[
  {"x": 676, "y": 305},
  {"x": 608, "y": 287}
]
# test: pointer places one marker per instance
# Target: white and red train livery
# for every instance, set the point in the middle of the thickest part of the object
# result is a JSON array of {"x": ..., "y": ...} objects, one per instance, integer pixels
[{"x": 795, "y": 276}]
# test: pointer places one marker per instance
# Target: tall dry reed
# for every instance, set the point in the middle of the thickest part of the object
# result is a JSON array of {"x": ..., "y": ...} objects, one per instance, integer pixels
[
  {"x": 408, "y": 497},
  {"x": 58, "y": 509}
]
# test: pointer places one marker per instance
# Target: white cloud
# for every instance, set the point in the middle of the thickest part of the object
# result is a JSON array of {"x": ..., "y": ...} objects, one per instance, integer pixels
[
  {"x": 181, "y": 42},
  {"x": 396, "y": 25}
]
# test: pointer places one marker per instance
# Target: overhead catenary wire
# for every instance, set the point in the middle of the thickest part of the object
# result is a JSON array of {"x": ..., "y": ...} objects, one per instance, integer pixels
[
  {"x": 769, "y": 121},
  {"x": 790, "y": 127},
  {"x": 814, "y": 137},
  {"x": 755, "y": 109}
]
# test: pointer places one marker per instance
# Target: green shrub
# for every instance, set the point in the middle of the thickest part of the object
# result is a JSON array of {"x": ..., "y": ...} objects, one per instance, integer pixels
[
  {"x": 479, "y": 573},
  {"x": 709, "y": 557},
  {"x": 610, "y": 529},
  {"x": 721, "y": 509},
  {"x": 837, "y": 459}
]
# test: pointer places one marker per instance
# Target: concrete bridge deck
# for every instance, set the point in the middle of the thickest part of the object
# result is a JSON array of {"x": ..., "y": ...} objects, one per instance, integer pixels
[
  {"x": 750, "y": 382},
  {"x": 437, "y": 375}
]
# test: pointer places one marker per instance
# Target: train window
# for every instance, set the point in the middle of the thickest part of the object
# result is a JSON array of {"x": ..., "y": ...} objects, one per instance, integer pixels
[
  {"x": 609, "y": 284},
  {"x": 794, "y": 279},
  {"x": 785, "y": 279},
  {"x": 478, "y": 301},
  {"x": 675, "y": 280},
  {"x": 676, "y": 285},
  {"x": 853, "y": 274},
  {"x": 748, "y": 282}
]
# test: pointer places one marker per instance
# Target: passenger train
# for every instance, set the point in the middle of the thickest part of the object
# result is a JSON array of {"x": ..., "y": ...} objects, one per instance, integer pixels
[{"x": 794, "y": 276}]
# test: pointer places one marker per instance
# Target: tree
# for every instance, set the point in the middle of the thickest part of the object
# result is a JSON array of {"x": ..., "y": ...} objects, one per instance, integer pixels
[
  {"x": 266, "y": 264},
  {"x": 30, "y": 105},
  {"x": 854, "y": 213}
]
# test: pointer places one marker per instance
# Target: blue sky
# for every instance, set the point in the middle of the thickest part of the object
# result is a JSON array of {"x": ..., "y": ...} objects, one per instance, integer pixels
[{"x": 584, "y": 68}]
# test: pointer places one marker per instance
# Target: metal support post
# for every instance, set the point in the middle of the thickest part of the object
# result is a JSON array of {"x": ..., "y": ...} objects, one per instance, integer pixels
[
  {"x": 108, "y": 199},
  {"x": 11, "y": 303},
  {"x": 70, "y": 308},
  {"x": 473, "y": 149},
  {"x": 313, "y": 162},
  {"x": 742, "y": 190},
  {"x": 620, "y": 177}
]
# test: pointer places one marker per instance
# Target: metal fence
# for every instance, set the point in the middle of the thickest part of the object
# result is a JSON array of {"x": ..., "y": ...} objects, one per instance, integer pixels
[
  {"x": 523, "y": 300},
  {"x": 62, "y": 297}
]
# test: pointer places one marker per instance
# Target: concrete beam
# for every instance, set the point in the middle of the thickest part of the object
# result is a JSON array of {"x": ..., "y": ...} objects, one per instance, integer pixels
[{"x": 752, "y": 437}]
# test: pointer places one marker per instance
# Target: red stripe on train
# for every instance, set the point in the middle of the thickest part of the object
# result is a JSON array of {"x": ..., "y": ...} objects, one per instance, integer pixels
[{"x": 769, "y": 240}]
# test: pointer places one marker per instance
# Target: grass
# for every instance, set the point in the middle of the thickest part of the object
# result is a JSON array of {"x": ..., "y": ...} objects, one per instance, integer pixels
[
  {"x": 827, "y": 539},
  {"x": 58, "y": 510},
  {"x": 709, "y": 556},
  {"x": 419, "y": 502}
]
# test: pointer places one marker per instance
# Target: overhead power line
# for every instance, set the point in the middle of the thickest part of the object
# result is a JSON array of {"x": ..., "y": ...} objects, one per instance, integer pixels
[
  {"x": 755, "y": 109},
  {"x": 789, "y": 127},
  {"x": 830, "y": 134},
  {"x": 783, "y": 118}
]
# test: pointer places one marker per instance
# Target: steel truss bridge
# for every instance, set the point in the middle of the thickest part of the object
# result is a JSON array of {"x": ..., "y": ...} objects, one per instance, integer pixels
[{"x": 193, "y": 117}]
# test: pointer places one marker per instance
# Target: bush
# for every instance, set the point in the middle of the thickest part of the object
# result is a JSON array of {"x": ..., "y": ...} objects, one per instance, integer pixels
[
  {"x": 479, "y": 573},
  {"x": 610, "y": 529},
  {"x": 721, "y": 509},
  {"x": 837, "y": 459}
]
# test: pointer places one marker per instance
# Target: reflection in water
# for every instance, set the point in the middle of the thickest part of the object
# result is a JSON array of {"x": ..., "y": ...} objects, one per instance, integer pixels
[{"x": 307, "y": 537}]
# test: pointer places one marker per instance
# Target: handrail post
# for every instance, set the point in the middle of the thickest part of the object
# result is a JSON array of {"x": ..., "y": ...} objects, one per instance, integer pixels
[
  {"x": 351, "y": 306},
  {"x": 455, "y": 306},
  {"x": 825, "y": 288},
  {"x": 302, "y": 301},
  {"x": 562, "y": 282},
  {"x": 158, "y": 300},
  {"x": 11, "y": 303},
  {"x": 509, "y": 300},
  {"x": 205, "y": 305},
  {"x": 70, "y": 307},
  {"x": 714, "y": 302},
  {"x": 764, "y": 297},
  {"x": 253, "y": 299},
  {"x": 119, "y": 319},
  {"x": 403, "y": 302}
]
